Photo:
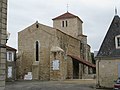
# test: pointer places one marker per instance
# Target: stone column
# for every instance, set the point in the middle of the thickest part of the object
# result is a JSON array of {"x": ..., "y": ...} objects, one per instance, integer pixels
[{"x": 3, "y": 28}]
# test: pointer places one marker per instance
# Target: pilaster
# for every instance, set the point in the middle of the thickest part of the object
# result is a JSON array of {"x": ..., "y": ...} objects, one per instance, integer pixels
[{"x": 3, "y": 28}]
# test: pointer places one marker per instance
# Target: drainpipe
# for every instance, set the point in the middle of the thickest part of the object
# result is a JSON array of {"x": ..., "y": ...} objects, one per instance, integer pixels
[{"x": 98, "y": 83}]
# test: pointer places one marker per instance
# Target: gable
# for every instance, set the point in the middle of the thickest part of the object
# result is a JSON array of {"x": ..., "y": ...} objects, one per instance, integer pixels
[
  {"x": 66, "y": 15},
  {"x": 36, "y": 27},
  {"x": 108, "y": 47}
]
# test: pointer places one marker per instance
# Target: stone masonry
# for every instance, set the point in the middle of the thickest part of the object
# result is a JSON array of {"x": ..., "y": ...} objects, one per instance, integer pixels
[
  {"x": 49, "y": 60},
  {"x": 3, "y": 26}
]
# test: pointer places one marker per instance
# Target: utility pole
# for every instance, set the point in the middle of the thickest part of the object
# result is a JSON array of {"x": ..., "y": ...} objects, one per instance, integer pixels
[{"x": 3, "y": 38}]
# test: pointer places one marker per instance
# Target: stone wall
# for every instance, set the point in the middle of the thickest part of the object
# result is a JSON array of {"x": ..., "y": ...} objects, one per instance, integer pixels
[
  {"x": 107, "y": 72},
  {"x": 3, "y": 27},
  {"x": 11, "y": 64},
  {"x": 49, "y": 37},
  {"x": 61, "y": 72},
  {"x": 74, "y": 27},
  {"x": 26, "y": 50},
  {"x": 71, "y": 46}
]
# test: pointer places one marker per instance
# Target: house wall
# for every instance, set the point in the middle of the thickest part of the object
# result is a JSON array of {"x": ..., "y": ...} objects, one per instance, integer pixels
[
  {"x": 3, "y": 26},
  {"x": 107, "y": 72},
  {"x": 13, "y": 65}
]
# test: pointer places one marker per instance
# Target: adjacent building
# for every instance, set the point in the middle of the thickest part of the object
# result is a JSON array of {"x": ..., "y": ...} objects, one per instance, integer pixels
[
  {"x": 11, "y": 64},
  {"x": 54, "y": 53},
  {"x": 3, "y": 28},
  {"x": 108, "y": 57}
]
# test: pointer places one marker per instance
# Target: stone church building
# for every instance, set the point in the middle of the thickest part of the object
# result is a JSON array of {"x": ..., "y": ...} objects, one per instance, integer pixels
[{"x": 54, "y": 53}]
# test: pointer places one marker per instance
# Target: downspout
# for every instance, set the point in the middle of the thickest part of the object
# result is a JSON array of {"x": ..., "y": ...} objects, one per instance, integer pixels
[{"x": 98, "y": 83}]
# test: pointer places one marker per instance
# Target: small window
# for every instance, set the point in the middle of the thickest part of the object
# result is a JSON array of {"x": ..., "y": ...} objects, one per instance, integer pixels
[
  {"x": 66, "y": 23},
  {"x": 10, "y": 56},
  {"x": 37, "y": 51},
  {"x": 37, "y": 26},
  {"x": 62, "y": 23},
  {"x": 117, "y": 41}
]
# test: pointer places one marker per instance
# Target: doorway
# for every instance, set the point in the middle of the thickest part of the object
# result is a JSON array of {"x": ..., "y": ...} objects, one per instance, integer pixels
[{"x": 75, "y": 69}]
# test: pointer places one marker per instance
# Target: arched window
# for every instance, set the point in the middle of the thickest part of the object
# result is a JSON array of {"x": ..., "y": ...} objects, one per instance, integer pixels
[
  {"x": 62, "y": 23},
  {"x": 66, "y": 23},
  {"x": 37, "y": 50}
]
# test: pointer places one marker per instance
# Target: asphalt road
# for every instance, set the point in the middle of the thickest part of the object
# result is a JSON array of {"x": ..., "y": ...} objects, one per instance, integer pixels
[{"x": 50, "y": 85}]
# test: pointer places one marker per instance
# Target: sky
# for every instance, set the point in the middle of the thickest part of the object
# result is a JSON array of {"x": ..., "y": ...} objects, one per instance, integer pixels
[{"x": 95, "y": 14}]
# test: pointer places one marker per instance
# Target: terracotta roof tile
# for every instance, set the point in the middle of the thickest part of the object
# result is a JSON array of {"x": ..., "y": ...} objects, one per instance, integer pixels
[
  {"x": 66, "y": 15},
  {"x": 10, "y": 48},
  {"x": 83, "y": 61}
]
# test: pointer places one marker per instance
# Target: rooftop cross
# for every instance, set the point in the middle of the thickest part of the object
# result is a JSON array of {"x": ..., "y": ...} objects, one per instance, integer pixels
[
  {"x": 115, "y": 11},
  {"x": 67, "y": 7}
]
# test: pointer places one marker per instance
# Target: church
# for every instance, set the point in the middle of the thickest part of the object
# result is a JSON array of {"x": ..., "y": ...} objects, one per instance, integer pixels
[{"x": 54, "y": 53}]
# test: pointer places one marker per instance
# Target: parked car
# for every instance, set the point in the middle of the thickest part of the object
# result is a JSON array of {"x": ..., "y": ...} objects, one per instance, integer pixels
[{"x": 117, "y": 84}]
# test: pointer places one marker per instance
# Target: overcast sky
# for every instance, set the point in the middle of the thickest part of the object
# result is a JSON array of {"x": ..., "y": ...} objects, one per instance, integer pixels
[{"x": 95, "y": 14}]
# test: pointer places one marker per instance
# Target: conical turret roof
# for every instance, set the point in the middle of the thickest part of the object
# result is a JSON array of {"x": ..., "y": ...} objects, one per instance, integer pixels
[{"x": 108, "y": 47}]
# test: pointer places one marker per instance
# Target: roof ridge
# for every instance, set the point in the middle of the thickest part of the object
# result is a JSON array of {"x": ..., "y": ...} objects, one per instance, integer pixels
[{"x": 65, "y": 16}]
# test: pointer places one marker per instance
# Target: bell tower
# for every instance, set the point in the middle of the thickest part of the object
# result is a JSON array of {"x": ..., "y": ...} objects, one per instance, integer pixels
[{"x": 68, "y": 23}]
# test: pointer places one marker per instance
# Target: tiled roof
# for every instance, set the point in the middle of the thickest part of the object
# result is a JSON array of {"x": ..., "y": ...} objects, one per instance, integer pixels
[
  {"x": 108, "y": 48},
  {"x": 83, "y": 61},
  {"x": 66, "y": 15},
  {"x": 10, "y": 48}
]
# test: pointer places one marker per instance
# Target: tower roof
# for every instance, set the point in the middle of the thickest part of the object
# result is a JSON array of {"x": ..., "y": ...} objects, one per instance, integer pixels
[
  {"x": 66, "y": 15},
  {"x": 108, "y": 48}
]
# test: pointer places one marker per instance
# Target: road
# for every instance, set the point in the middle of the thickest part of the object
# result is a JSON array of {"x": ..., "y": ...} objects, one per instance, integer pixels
[{"x": 52, "y": 85}]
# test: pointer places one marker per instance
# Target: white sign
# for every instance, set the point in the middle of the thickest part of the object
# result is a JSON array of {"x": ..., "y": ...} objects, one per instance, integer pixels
[
  {"x": 28, "y": 76},
  {"x": 55, "y": 65}
]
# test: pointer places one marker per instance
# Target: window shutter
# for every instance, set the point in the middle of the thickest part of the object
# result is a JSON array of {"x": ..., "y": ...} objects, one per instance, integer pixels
[
  {"x": 12, "y": 56},
  {"x": 8, "y": 56}
]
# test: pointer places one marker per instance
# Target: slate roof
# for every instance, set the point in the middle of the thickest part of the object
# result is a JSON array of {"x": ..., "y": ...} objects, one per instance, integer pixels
[
  {"x": 82, "y": 61},
  {"x": 66, "y": 15},
  {"x": 10, "y": 48},
  {"x": 108, "y": 48}
]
